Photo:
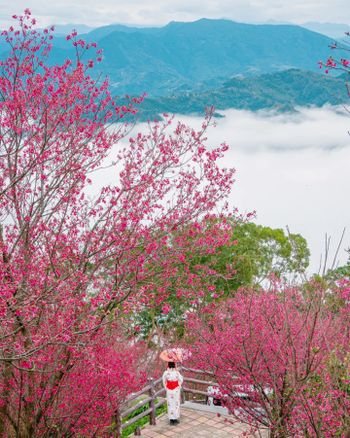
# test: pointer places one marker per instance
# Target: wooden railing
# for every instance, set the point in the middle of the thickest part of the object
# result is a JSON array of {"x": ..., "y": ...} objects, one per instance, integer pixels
[
  {"x": 193, "y": 389},
  {"x": 154, "y": 390},
  {"x": 151, "y": 400}
]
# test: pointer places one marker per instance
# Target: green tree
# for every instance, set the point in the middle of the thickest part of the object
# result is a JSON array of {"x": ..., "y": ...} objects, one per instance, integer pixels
[
  {"x": 250, "y": 253},
  {"x": 262, "y": 250},
  {"x": 256, "y": 251},
  {"x": 341, "y": 272}
]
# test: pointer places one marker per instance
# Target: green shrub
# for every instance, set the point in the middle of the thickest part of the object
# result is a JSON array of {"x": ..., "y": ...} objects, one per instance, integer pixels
[{"x": 131, "y": 429}]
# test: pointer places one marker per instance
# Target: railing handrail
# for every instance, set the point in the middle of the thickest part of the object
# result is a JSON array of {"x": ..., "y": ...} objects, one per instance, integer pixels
[
  {"x": 193, "y": 370},
  {"x": 142, "y": 391}
]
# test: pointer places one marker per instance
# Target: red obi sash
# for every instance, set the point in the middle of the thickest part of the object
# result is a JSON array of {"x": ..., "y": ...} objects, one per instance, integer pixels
[{"x": 172, "y": 384}]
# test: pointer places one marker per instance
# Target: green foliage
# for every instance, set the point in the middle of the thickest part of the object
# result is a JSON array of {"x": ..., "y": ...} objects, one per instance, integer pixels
[
  {"x": 254, "y": 252},
  {"x": 341, "y": 272},
  {"x": 143, "y": 421},
  {"x": 263, "y": 250},
  {"x": 331, "y": 281},
  {"x": 149, "y": 321},
  {"x": 257, "y": 252}
]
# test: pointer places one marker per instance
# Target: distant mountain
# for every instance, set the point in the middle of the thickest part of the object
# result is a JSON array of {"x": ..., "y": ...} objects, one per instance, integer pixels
[
  {"x": 101, "y": 32},
  {"x": 186, "y": 57},
  {"x": 282, "y": 91},
  {"x": 181, "y": 56},
  {"x": 185, "y": 66}
]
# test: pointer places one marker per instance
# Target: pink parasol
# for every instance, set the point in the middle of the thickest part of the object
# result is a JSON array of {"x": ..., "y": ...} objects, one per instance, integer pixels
[{"x": 173, "y": 355}]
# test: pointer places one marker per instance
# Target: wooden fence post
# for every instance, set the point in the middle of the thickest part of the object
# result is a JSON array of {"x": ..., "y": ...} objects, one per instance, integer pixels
[
  {"x": 183, "y": 396},
  {"x": 152, "y": 403},
  {"x": 137, "y": 431},
  {"x": 118, "y": 424}
]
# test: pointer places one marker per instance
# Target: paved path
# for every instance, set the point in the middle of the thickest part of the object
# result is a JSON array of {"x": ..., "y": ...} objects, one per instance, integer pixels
[{"x": 194, "y": 424}]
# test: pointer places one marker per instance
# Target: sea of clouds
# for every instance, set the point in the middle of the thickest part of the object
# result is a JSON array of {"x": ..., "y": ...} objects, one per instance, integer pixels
[{"x": 292, "y": 169}]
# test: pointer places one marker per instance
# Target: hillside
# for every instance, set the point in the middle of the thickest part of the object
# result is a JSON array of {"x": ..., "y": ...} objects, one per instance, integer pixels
[{"x": 282, "y": 91}]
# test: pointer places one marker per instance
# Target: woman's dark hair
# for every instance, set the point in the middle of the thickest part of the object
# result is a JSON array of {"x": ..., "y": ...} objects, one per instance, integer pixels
[{"x": 171, "y": 365}]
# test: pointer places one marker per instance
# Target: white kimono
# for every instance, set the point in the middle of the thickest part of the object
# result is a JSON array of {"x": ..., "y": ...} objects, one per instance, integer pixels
[{"x": 173, "y": 389}]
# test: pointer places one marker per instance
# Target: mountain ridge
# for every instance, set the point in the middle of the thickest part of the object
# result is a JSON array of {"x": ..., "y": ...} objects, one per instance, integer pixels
[{"x": 191, "y": 56}]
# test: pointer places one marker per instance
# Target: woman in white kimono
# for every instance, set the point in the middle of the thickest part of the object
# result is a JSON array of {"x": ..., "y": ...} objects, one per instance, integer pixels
[{"x": 172, "y": 381}]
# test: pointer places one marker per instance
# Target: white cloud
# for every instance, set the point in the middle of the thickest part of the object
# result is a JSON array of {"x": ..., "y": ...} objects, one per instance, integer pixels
[
  {"x": 323, "y": 128},
  {"x": 317, "y": 128},
  {"x": 293, "y": 169},
  {"x": 147, "y": 12}
]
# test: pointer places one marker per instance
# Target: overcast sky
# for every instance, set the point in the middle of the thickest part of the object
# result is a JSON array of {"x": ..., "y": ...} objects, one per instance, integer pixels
[{"x": 158, "y": 12}]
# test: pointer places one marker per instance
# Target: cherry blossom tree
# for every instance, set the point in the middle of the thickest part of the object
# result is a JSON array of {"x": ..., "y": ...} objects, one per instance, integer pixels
[
  {"x": 72, "y": 265},
  {"x": 341, "y": 60},
  {"x": 195, "y": 280},
  {"x": 275, "y": 356}
]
